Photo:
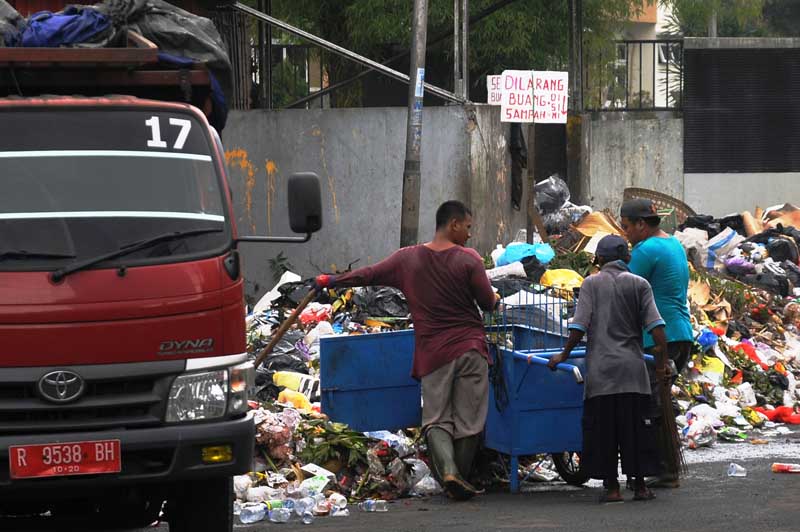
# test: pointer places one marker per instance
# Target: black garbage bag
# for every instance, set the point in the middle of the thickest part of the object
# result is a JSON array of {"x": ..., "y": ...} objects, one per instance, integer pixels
[
  {"x": 738, "y": 327},
  {"x": 704, "y": 222},
  {"x": 783, "y": 248},
  {"x": 178, "y": 33},
  {"x": 12, "y": 24},
  {"x": 773, "y": 282},
  {"x": 792, "y": 272},
  {"x": 551, "y": 194},
  {"x": 291, "y": 294},
  {"x": 533, "y": 268},
  {"x": 511, "y": 285},
  {"x": 381, "y": 302}
]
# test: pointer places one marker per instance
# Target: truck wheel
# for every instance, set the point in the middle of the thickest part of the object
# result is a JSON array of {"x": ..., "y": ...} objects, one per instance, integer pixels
[
  {"x": 568, "y": 465},
  {"x": 202, "y": 504}
]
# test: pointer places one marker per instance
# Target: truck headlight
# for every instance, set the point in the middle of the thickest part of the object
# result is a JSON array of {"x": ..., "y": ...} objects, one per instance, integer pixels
[
  {"x": 198, "y": 396},
  {"x": 243, "y": 380}
]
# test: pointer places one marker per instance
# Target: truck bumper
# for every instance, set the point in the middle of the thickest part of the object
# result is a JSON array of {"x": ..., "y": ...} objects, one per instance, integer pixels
[{"x": 162, "y": 455}]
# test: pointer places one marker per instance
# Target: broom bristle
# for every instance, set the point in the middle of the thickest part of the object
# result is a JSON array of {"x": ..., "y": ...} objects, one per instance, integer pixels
[{"x": 671, "y": 442}]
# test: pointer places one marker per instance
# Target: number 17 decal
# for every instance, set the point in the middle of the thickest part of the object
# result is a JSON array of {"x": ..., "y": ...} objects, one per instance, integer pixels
[{"x": 155, "y": 129}]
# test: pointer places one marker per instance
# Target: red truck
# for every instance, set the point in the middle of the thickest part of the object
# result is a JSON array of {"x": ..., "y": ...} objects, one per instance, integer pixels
[{"x": 124, "y": 377}]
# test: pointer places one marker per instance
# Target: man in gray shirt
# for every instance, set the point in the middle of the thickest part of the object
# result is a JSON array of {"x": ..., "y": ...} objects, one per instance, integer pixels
[{"x": 614, "y": 307}]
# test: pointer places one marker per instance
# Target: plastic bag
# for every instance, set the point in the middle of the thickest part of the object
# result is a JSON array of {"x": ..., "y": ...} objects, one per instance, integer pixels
[
  {"x": 694, "y": 242},
  {"x": 515, "y": 269},
  {"x": 563, "y": 279},
  {"x": 517, "y": 252},
  {"x": 426, "y": 487},
  {"x": 381, "y": 302},
  {"x": 296, "y": 399},
  {"x": 700, "y": 434},
  {"x": 718, "y": 248},
  {"x": 315, "y": 313},
  {"x": 241, "y": 483},
  {"x": 551, "y": 194}
]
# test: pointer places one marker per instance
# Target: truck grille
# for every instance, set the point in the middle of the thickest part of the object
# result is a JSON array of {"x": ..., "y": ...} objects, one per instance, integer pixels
[{"x": 107, "y": 401}]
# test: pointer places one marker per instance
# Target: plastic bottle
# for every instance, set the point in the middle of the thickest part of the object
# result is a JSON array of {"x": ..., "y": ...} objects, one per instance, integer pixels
[
  {"x": 372, "y": 505},
  {"x": 253, "y": 514},
  {"x": 778, "y": 467},
  {"x": 280, "y": 515},
  {"x": 344, "y": 512},
  {"x": 301, "y": 506},
  {"x": 338, "y": 501},
  {"x": 307, "y": 518},
  {"x": 735, "y": 470}
]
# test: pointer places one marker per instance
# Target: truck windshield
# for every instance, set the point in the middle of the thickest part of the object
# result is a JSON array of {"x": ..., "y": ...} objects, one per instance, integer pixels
[{"x": 77, "y": 185}]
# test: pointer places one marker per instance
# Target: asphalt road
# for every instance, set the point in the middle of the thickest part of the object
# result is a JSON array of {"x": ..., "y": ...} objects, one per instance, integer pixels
[{"x": 708, "y": 500}]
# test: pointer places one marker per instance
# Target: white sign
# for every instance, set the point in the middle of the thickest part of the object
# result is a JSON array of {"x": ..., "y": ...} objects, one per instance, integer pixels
[
  {"x": 529, "y": 96},
  {"x": 517, "y": 100},
  {"x": 494, "y": 90},
  {"x": 550, "y": 97}
]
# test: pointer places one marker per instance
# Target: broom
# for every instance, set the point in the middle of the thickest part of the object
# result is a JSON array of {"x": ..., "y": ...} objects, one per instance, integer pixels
[
  {"x": 669, "y": 441},
  {"x": 285, "y": 326}
]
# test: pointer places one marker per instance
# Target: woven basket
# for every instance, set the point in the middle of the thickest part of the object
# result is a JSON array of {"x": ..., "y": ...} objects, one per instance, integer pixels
[{"x": 673, "y": 212}]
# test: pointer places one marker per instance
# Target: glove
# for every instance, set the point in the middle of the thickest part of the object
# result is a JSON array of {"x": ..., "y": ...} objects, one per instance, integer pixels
[{"x": 324, "y": 281}]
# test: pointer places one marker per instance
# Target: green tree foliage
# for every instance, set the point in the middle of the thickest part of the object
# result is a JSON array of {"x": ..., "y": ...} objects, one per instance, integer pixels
[
  {"x": 735, "y": 18},
  {"x": 525, "y": 34}
]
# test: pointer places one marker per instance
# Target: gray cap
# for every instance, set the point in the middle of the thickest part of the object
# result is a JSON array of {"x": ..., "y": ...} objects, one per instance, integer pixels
[
  {"x": 612, "y": 247},
  {"x": 638, "y": 208}
]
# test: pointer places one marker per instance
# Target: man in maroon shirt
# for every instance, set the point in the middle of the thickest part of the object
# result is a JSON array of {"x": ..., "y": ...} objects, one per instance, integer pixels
[{"x": 442, "y": 281}]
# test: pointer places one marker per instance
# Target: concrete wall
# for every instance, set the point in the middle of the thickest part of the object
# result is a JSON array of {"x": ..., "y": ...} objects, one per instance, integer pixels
[
  {"x": 635, "y": 149},
  {"x": 358, "y": 155},
  {"x": 723, "y": 194}
]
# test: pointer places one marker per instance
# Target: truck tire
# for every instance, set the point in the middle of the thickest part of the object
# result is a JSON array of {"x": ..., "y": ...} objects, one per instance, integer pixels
[
  {"x": 568, "y": 465},
  {"x": 202, "y": 504}
]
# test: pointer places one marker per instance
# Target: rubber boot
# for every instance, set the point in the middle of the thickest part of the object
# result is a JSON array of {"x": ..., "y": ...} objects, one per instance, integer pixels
[
  {"x": 464, "y": 450},
  {"x": 440, "y": 447}
]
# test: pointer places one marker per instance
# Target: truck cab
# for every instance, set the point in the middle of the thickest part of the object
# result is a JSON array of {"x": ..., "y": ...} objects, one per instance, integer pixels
[{"x": 124, "y": 376}]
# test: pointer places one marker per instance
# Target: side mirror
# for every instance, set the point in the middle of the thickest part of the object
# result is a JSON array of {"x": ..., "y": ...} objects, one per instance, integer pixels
[{"x": 305, "y": 203}]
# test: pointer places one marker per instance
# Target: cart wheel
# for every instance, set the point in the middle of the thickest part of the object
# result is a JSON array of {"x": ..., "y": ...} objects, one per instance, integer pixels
[{"x": 568, "y": 465}]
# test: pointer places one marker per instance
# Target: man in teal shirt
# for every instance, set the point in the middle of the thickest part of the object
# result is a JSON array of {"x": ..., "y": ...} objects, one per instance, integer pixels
[{"x": 661, "y": 259}]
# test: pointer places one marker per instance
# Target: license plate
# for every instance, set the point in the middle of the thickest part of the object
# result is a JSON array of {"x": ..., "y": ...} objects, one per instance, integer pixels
[{"x": 62, "y": 459}]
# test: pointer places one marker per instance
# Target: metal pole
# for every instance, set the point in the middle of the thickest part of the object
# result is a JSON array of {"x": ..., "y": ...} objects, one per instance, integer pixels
[
  {"x": 409, "y": 216},
  {"x": 456, "y": 47},
  {"x": 465, "y": 52},
  {"x": 269, "y": 57},
  {"x": 263, "y": 82}
]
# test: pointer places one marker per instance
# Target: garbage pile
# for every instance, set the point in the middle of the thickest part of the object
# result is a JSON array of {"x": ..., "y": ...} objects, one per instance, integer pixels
[
  {"x": 741, "y": 382},
  {"x": 307, "y": 466},
  {"x": 288, "y": 482}
]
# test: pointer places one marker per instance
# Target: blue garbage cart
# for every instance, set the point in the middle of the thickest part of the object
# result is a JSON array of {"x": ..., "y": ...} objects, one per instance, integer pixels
[{"x": 366, "y": 383}]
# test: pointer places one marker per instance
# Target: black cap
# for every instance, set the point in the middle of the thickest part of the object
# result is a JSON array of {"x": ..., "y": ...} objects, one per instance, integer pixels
[
  {"x": 612, "y": 247},
  {"x": 638, "y": 208}
]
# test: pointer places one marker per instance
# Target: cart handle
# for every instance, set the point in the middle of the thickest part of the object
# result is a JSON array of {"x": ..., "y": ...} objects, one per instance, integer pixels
[{"x": 533, "y": 359}]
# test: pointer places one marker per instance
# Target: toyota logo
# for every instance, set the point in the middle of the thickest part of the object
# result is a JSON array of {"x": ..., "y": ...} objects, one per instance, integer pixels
[{"x": 61, "y": 386}]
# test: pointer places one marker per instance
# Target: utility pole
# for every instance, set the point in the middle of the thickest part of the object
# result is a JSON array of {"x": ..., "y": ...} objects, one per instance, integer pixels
[
  {"x": 461, "y": 48},
  {"x": 409, "y": 216},
  {"x": 576, "y": 54}
]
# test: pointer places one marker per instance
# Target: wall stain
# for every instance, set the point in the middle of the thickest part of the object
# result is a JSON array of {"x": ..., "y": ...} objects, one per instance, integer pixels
[
  {"x": 317, "y": 132},
  {"x": 272, "y": 172},
  {"x": 239, "y": 158}
]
